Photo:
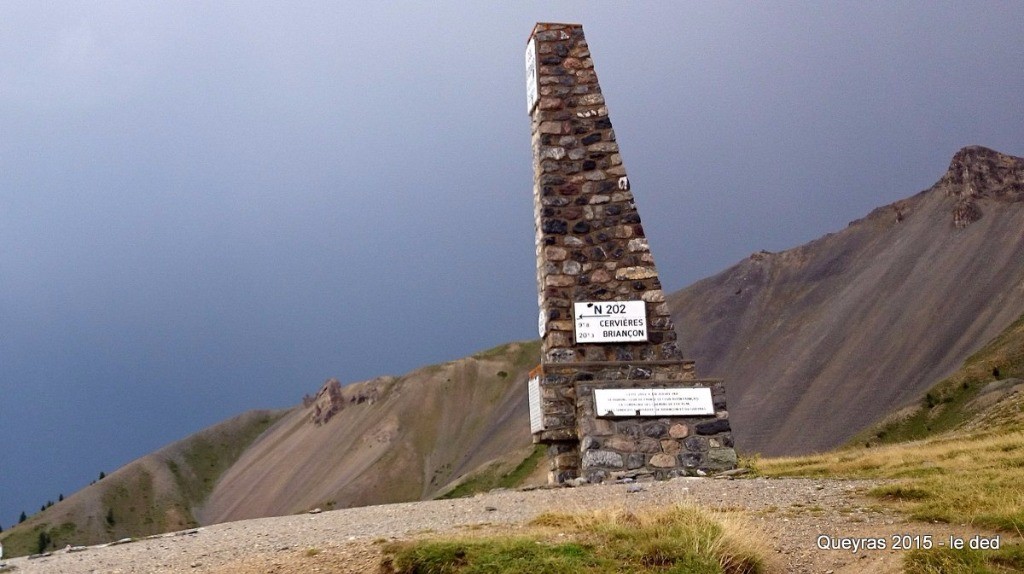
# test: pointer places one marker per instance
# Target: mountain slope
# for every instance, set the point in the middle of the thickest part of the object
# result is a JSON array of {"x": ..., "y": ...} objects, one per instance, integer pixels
[
  {"x": 394, "y": 439},
  {"x": 820, "y": 341},
  {"x": 156, "y": 493}
]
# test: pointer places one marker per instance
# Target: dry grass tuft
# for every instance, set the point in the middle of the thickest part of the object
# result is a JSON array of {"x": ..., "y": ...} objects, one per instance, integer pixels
[
  {"x": 683, "y": 539},
  {"x": 951, "y": 478}
]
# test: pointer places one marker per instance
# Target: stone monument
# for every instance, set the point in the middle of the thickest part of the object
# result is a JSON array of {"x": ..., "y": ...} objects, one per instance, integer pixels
[{"x": 613, "y": 397}]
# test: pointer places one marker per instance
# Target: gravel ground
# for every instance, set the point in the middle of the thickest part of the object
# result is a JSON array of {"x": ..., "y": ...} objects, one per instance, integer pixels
[{"x": 790, "y": 515}]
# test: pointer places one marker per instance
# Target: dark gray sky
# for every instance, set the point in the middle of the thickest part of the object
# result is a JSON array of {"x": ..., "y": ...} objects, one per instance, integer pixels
[{"x": 211, "y": 208}]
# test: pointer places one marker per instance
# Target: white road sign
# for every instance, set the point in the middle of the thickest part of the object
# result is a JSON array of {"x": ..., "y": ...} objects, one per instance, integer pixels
[{"x": 610, "y": 321}]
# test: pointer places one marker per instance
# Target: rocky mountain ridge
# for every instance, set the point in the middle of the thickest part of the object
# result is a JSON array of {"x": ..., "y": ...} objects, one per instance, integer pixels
[
  {"x": 819, "y": 341},
  {"x": 977, "y": 173}
]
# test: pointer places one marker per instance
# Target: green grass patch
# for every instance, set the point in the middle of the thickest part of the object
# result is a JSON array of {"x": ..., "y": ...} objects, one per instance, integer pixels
[
  {"x": 498, "y": 556},
  {"x": 680, "y": 539},
  {"x": 491, "y": 478},
  {"x": 951, "y": 478},
  {"x": 63, "y": 535},
  {"x": 949, "y": 561},
  {"x": 942, "y": 409},
  {"x": 947, "y": 405},
  {"x": 901, "y": 492},
  {"x": 917, "y": 472},
  {"x": 130, "y": 505},
  {"x": 23, "y": 541}
]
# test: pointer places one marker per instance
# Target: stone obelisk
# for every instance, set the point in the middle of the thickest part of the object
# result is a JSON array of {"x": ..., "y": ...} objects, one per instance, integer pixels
[{"x": 613, "y": 397}]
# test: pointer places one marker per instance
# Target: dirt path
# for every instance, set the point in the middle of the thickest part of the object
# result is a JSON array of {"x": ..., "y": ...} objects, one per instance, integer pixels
[{"x": 792, "y": 515}]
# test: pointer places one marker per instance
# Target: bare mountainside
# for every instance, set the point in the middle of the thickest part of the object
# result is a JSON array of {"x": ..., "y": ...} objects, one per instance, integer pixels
[
  {"x": 817, "y": 342},
  {"x": 392, "y": 439}
]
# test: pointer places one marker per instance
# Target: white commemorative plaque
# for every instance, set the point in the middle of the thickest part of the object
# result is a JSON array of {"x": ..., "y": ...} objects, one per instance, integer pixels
[
  {"x": 684, "y": 402},
  {"x": 536, "y": 415},
  {"x": 610, "y": 321},
  {"x": 531, "y": 75}
]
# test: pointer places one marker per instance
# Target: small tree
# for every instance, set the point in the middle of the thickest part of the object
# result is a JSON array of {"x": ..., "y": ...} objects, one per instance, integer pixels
[
  {"x": 102, "y": 475},
  {"x": 23, "y": 517},
  {"x": 61, "y": 497},
  {"x": 44, "y": 541}
]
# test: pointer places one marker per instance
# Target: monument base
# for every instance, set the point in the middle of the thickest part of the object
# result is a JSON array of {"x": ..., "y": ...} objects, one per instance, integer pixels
[{"x": 680, "y": 436}]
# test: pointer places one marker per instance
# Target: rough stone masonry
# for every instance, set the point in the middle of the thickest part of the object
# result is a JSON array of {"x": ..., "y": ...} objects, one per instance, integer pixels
[{"x": 592, "y": 254}]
